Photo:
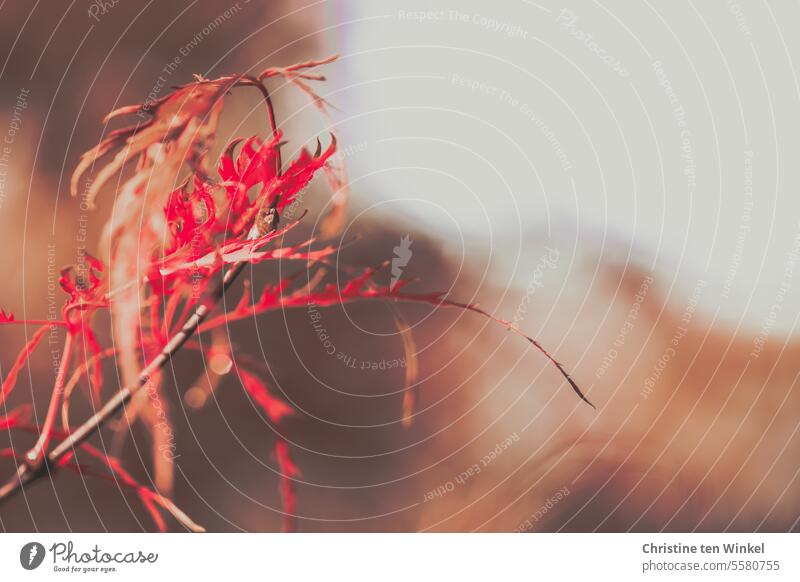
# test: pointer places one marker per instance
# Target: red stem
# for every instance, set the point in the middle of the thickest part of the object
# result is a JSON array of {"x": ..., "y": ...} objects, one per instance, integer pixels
[
  {"x": 35, "y": 456},
  {"x": 53, "y": 322}
]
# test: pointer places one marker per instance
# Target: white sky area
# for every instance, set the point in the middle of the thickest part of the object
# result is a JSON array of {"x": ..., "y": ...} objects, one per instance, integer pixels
[{"x": 667, "y": 132}]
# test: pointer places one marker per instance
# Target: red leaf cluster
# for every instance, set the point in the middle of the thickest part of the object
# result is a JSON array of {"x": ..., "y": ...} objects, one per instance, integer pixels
[{"x": 168, "y": 246}]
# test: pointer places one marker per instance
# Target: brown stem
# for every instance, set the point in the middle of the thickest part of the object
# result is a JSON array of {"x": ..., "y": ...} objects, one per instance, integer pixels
[
  {"x": 27, "y": 473},
  {"x": 41, "y": 465}
]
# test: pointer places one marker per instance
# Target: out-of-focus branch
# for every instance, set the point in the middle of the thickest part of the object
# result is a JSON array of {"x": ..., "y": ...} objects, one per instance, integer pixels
[
  {"x": 28, "y": 472},
  {"x": 36, "y": 464}
]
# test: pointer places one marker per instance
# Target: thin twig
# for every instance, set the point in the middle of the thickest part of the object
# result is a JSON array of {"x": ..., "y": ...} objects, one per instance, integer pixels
[
  {"x": 35, "y": 468},
  {"x": 27, "y": 472},
  {"x": 35, "y": 457}
]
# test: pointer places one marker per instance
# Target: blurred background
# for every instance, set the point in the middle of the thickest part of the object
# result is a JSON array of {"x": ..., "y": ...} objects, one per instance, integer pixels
[{"x": 617, "y": 180}]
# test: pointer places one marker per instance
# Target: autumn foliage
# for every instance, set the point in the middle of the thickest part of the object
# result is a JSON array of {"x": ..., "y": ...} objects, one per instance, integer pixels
[{"x": 182, "y": 224}]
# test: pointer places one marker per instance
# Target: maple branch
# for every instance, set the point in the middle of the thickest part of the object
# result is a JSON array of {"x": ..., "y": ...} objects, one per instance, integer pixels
[
  {"x": 36, "y": 463},
  {"x": 28, "y": 472}
]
